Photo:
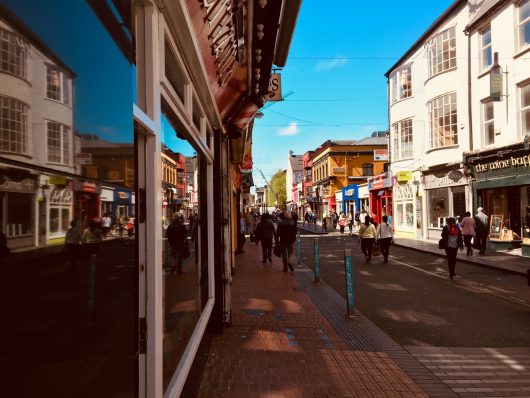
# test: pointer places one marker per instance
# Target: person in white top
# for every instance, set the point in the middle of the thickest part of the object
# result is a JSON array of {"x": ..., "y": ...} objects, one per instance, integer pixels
[
  {"x": 384, "y": 237},
  {"x": 106, "y": 222}
]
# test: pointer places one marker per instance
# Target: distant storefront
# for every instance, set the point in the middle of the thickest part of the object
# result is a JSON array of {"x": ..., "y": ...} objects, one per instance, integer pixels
[
  {"x": 350, "y": 198},
  {"x": 380, "y": 187}
]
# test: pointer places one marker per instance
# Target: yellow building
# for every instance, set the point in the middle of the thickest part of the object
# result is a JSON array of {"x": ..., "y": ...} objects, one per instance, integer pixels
[{"x": 338, "y": 164}]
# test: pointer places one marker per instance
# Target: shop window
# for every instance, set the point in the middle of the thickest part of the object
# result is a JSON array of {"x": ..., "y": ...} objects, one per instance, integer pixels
[
  {"x": 443, "y": 121},
  {"x": 441, "y": 52},
  {"x": 488, "y": 125},
  {"x": 184, "y": 218},
  {"x": 525, "y": 109},
  {"x": 524, "y": 23},
  {"x": 438, "y": 207},
  {"x": 18, "y": 215},
  {"x": 13, "y": 54},
  {"x": 403, "y": 197},
  {"x": 486, "y": 55}
]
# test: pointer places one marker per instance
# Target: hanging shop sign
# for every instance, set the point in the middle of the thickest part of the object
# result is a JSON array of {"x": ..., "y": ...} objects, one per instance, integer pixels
[
  {"x": 404, "y": 176},
  {"x": 455, "y": 175},
  {"x": 275, "y": 87},
  {"x": 496, "y": 83}
]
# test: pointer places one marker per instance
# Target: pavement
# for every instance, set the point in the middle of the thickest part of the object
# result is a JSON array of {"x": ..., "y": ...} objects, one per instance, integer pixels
[{"x": 291, "y": 337}]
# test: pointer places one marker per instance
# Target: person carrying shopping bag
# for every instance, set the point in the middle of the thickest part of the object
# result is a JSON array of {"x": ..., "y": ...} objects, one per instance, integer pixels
[
  {"x": 367, "y": 237},
  {"x": 451, "y": 241},
  {"x": 384, "y": 237}
]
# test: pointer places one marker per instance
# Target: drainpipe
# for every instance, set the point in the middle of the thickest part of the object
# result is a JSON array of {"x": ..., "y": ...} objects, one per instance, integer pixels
[{"x": 469, "y": 97}]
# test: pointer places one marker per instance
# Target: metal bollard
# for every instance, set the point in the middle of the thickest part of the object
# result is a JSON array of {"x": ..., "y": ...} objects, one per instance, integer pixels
[
  {"x": 298, "y": 249},
  {"x": 92, "y": 283},
  {"x": 316, "y": 251},
  {"x": 350, "y": 298}
]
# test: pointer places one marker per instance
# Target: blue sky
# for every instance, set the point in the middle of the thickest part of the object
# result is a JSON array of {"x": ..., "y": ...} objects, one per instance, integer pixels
[{"x": 335, "y": 73}]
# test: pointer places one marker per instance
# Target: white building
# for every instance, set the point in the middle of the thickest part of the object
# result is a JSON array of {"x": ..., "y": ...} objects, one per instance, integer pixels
[
  {"x": 445, "y": 125},
  {"x": 294, "y": 174}
]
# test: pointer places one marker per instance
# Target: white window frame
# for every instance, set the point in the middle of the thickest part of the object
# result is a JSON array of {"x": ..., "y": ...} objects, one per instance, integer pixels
[
  {"x": 522, "y": 23},
  {"x": 13, "y": 113},
  {"x": 62, "y": 86},
  {"x": 488, "y": 124},
  {"x": 403, "y": 139},
  {"x": 403, "y": 196},
  {"x": 64, "y": 143},
  {"x": 401, "y": 84},
  {"x": 447, "y": 129},
  {"x": 13, "y": 54},
  {"x": 524, "y": 110},
  {"x": 441, "y": 52},
  {"x": 486, "y": 51}
]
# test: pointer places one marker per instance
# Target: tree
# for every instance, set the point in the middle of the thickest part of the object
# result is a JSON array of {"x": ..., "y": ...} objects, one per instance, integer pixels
[{"x": 278, "y": 186}]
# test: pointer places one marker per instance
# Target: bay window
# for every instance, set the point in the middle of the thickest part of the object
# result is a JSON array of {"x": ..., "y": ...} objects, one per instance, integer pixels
[
  {"x": 443, "y": 121},
  {"x": 441, "y": 52}
]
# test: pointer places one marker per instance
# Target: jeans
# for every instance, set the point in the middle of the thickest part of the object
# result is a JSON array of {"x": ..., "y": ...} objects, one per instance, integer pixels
[
  {"x": 481, "y": 241},
  {"x": 451, "y": 259},
  {"x": 366, "y": 247},
  {"x": 266, "y": 248},
  {"x": 467, "y": 242},
  {"x": 384, "y": 245},
  {"x": 287, "y": 254}
]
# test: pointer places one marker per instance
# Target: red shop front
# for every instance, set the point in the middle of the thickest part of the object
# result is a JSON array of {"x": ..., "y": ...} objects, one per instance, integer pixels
[{"x": 380, "y": 187}]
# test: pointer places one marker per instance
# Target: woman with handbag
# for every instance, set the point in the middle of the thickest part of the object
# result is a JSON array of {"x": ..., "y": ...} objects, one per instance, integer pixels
[
  {"x": 367, "y": 237},
  {"x": 384, "y": 237},
  {"x": 451, "y": 241}
]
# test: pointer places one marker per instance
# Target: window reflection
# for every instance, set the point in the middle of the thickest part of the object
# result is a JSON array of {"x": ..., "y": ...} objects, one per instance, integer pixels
[
  {"x": 67, "y": 196},
  {"x": 182, "y": 214}
]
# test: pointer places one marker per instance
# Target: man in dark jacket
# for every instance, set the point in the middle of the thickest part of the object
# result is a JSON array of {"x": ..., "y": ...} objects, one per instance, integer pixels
[
  {"x": 287, "y": 236},
  {"x": 176, "y": 235},
  {"x": 265, "y": 232},
  {"x": 481, "y": 229}
]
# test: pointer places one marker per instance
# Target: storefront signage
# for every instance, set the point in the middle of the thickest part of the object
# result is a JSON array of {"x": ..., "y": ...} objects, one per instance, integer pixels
[
  {"x": 275, "y": 87},
  {"x": 338, "y": 170},
  {"x": 433, "y": 181},
  {"x": 499, "y": 164},
  {"x": 404, "y": 176},
  {"x": 380, "y": 155},
  {"x": 349, "y": 192},
  {"x": 496, "y": 83},
  {"x": 455, "y": 175},
  {"x": 27, "y": 185},
  {"x": 325, "y": 190},
  {"x": 83, "y": 158},
  {"x": 123, "y": 195}
]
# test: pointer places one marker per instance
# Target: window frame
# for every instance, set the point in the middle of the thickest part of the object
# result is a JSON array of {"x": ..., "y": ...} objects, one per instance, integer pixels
[
  {"x": 64, "y": 143},
  {"x": 523, "y": 110},
  {"x": 436, "y": 52},
  {"x": 398, "y": 130},
  {"x": 486, "y": 123},
  {"x": 521, "y": 44},
  {"x": 62, "y": 87},
  {"x": 21, "y": 111},
  {"x": 432, "y": 117},
  {"x": 401, "y": 91},
  {"x": 16, "y": 48},
  {"x": 368, "y": 167},
  {"x": 486, "y": 49}
]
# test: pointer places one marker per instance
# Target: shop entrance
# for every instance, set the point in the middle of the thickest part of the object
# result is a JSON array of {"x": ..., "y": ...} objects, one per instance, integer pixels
[{"x": 505, "y": 201}]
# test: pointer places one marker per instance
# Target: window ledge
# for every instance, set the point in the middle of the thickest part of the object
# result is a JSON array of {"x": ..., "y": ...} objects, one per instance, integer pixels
[
  {"x": 441, "y": 148},
  {"x": 401, "y": 100},
  {"x": 440, "y": 73},
  {"x": 484, "y": 73},
  {"x": 522, "y": 51}
]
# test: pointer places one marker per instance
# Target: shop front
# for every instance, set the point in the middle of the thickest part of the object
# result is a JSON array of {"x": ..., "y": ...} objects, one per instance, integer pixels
[
  {"x": 502, "y": 189},
  {"x": 364, "y": 198},
  {"x": 86, "y": 200},
  {"x": 407, "y": 218},
  {"x": 447, "y": 195},
  {"x": 350, "y": 199},
  {"x": 60, "y": 208},
  {"x": 380, "y": 187}
]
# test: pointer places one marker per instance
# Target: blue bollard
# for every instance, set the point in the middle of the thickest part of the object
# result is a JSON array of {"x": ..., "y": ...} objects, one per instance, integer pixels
[
  {"x": 92, "y": 284},
  {"x": 350, "y": 298},
  {"x": 298, "y": 249},
  {"x": 316, "y": 250}
]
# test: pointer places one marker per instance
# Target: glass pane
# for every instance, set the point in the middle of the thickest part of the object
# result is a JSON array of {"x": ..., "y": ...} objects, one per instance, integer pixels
[
  {"x": 524, "y": 10},
  {"x": 70, "y": 296},
  {"x": 185, "y": 276},
  {"x": 439, "y": 207},
  {"x": 525, "y": 96}
]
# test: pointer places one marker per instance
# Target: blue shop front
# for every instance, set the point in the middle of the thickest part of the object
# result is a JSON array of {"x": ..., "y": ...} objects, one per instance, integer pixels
[
  {"x": 123, "y": 205},
  {"x": 350, "y": 198}
]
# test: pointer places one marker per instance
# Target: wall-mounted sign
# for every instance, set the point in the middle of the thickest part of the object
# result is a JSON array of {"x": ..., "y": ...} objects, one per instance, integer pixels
[
  {"x": 496, "y": 83},
  {"x": 83, "y": 158},
  {"x": 380, "y": 155},
  {"x": 275, "y": 87},
  {"x": 338, "y": 170},
  {"x": 404, "y": 176},
  {"x": 434, "y": 181},
  {"x": 504, "y": 163},
  {"x": 455, "y": 175},
  {"x": 27, "y": 185}
]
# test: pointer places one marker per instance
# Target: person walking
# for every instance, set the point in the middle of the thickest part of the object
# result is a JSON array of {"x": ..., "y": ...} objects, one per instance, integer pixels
[
  {"x": 286, "y": 234},
  {"x": 342, "y": 222},
  {"x": 106, "y": 222},
  {"x": 177, "y": 236},
  {"x": 367, "y": 237},
  {"x": 350, "y": 219},
  {"x": 467, "y": 226},
  {"x": 384, "y": 237},
  {"x": 249, "y": 224},
  {"x": 92, "y": 238},
  {"x": 241, "y": 234},
  {"x": 72, "y": 242},
  {"x": 452, "y": 241},
  {"x": 265, "y": 232},
  {"x": 481, "y": 229}
]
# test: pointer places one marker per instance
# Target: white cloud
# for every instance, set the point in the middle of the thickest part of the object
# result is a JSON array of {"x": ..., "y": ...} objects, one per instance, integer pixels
[
  {"x": 330, "y": 64},
  {"x": 292, "y": 129}
]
